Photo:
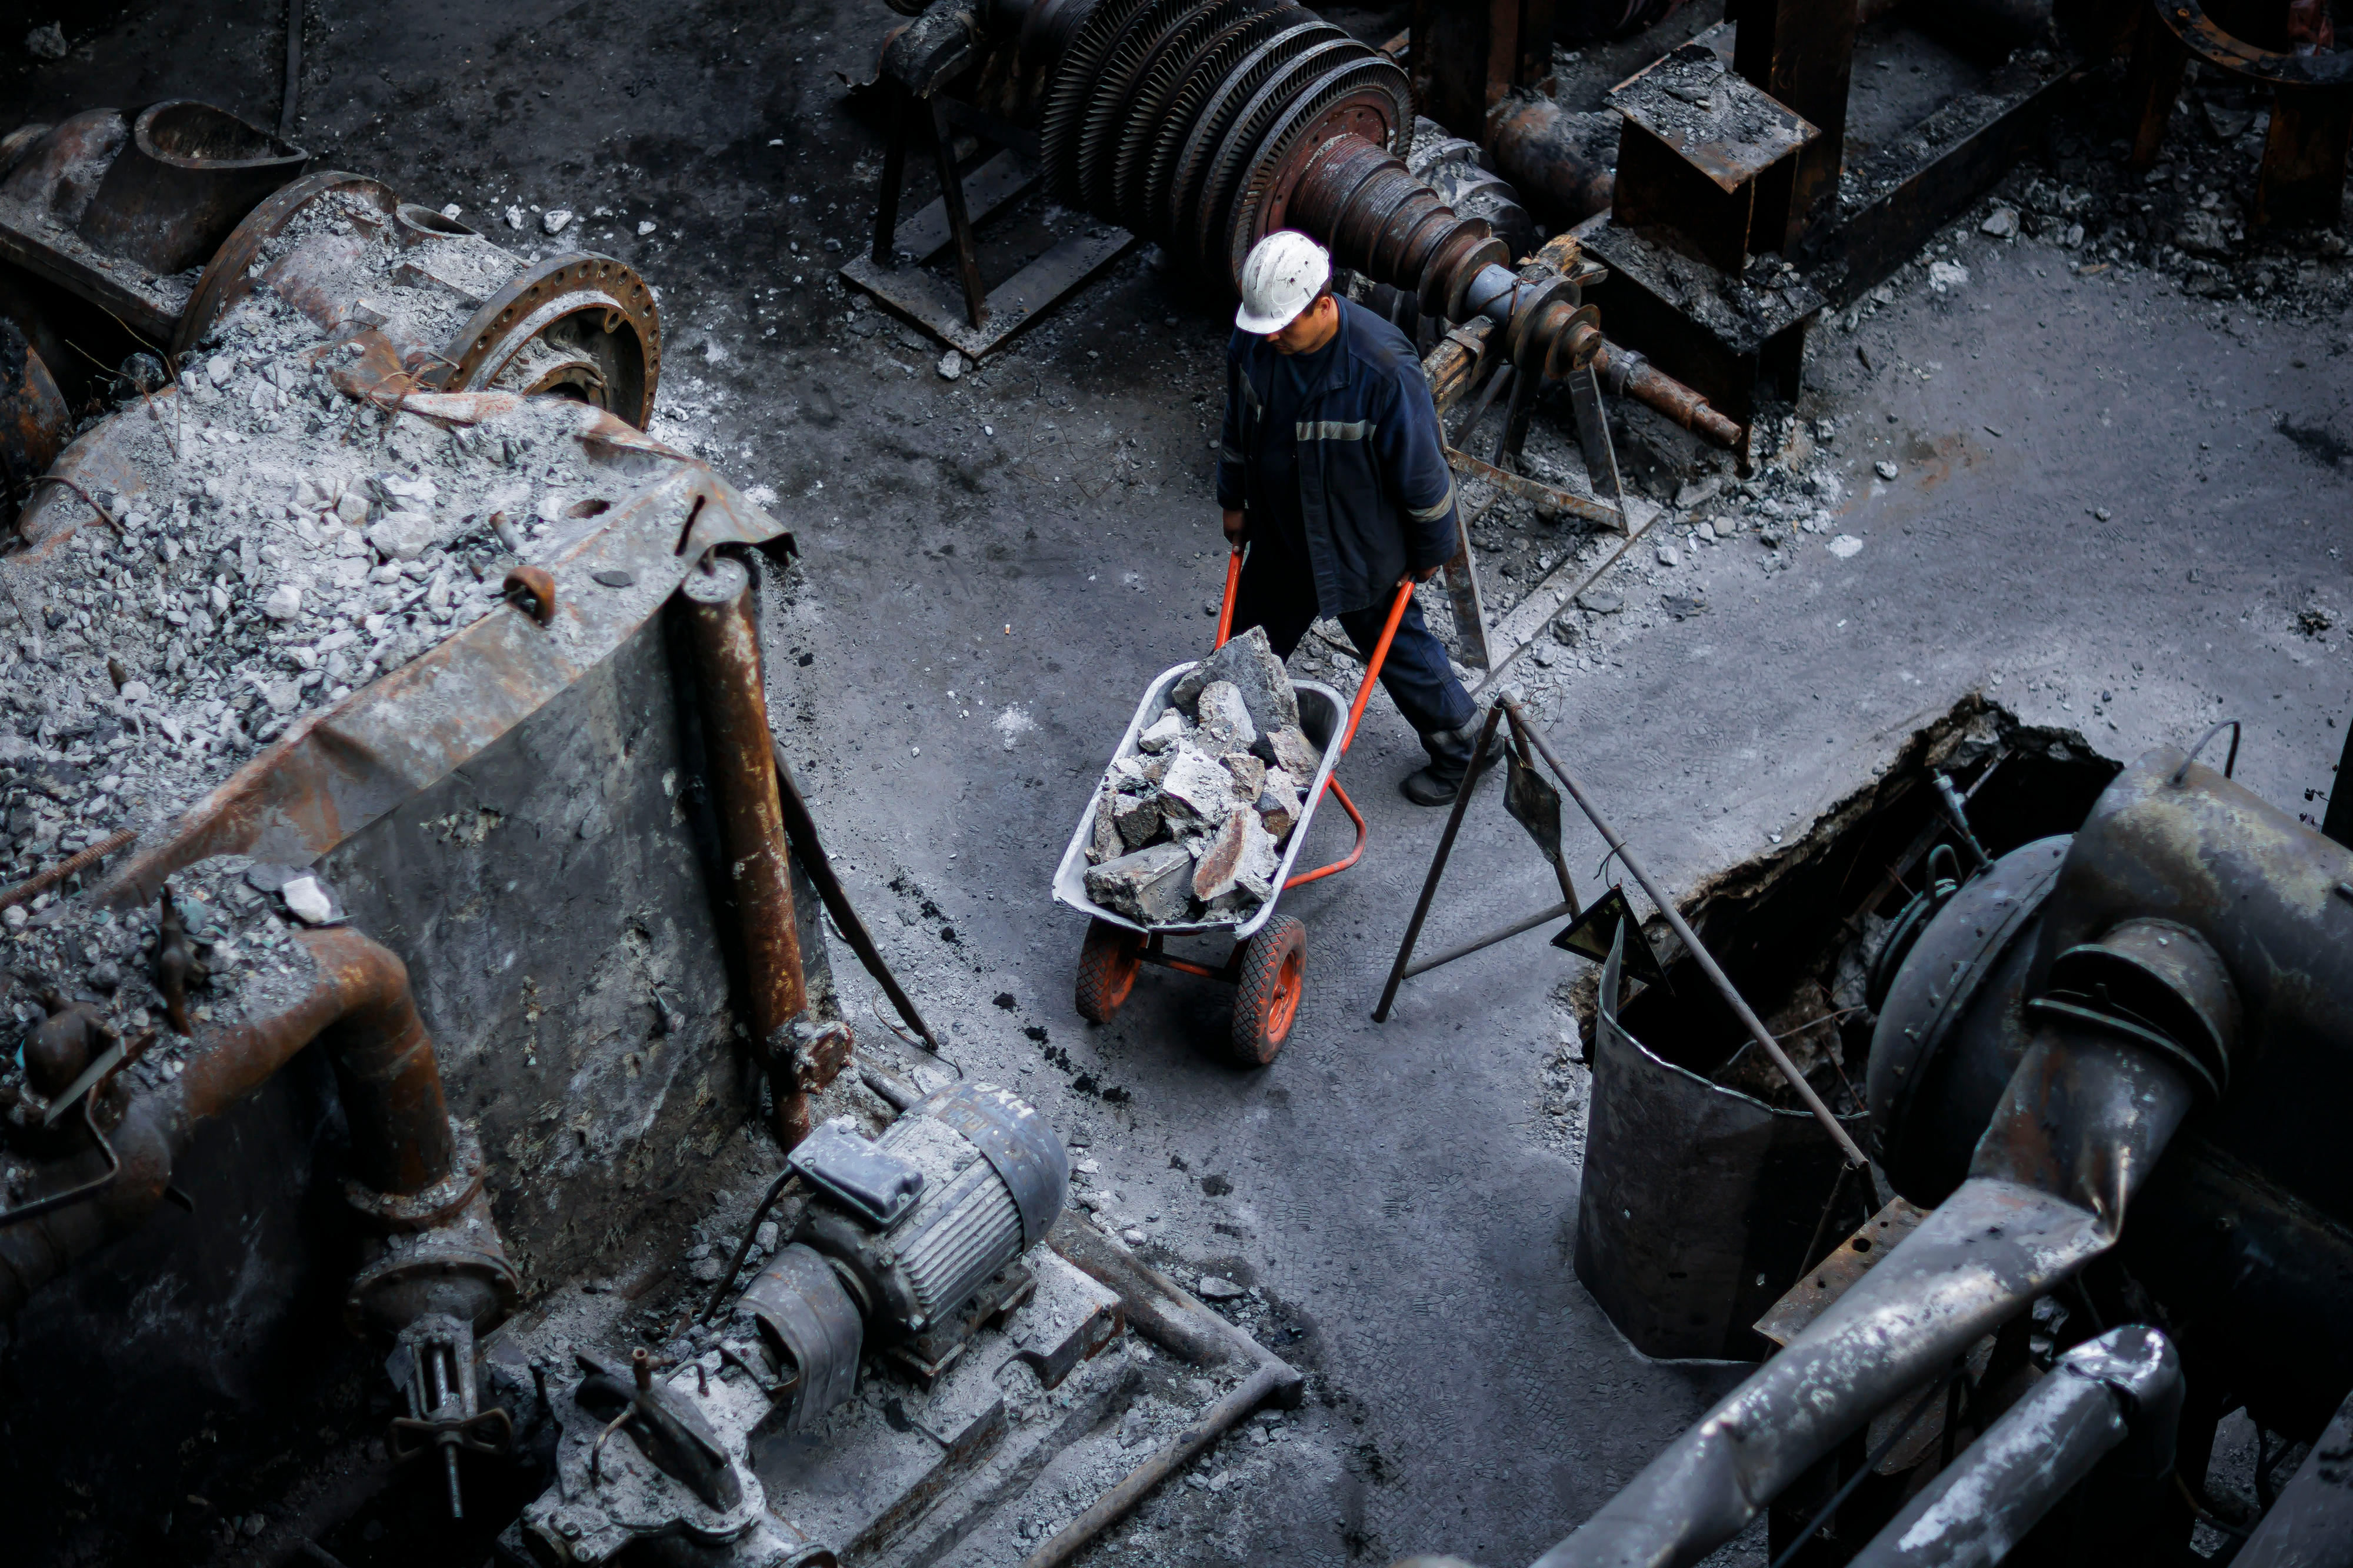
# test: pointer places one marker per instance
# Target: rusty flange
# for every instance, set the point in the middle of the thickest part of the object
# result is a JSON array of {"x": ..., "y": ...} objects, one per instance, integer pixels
[
  {"x": 602, "y": 304},
  {"x": 399, "y": 1212},
  {"x": 1352, "y": 101}
]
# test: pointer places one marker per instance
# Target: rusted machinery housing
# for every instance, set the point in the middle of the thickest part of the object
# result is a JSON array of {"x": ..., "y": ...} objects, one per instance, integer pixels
[
  {"x": 2103, "y": 1081},
  {"x": 139, "y": 233},
  {"x": 1205, "y": 125},
  {"x": 278, "y": 318}
]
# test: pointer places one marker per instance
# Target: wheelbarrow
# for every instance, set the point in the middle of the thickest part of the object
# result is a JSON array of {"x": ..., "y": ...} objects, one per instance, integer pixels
[{"x": 1268, "y": 966}]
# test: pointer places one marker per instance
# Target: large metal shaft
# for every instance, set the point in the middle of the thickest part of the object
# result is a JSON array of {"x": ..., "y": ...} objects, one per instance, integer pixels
[{"x": 1207, "y": 124}]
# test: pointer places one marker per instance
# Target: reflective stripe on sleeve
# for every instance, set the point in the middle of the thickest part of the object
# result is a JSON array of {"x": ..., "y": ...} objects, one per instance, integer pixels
[{"x": 1432, "y": 513}]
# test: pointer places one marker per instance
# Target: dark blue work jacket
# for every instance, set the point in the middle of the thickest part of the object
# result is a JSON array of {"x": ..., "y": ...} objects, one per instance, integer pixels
[{"x": 1374, "y": 489}]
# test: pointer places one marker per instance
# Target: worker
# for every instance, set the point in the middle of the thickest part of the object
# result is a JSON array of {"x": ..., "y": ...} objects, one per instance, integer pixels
[{"x": 1332, "y": 468}]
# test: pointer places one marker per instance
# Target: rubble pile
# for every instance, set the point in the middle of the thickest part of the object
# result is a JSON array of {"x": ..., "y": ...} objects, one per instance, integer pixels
[
  {"x": 288, "y": 543},
  {"x": 1189, "y": 825}
]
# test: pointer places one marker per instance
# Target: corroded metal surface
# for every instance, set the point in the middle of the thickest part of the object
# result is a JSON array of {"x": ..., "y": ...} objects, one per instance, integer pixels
[
  {"x": 2121, "y": 1389},
  {"x": 716, "y": 600},
  {"x": 336, "y": 771},
  {"x": 356, "y": 997}
]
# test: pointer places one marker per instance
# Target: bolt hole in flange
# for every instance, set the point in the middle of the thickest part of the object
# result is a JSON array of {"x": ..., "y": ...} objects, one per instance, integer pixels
[{"x": 1689, "y": 1135}]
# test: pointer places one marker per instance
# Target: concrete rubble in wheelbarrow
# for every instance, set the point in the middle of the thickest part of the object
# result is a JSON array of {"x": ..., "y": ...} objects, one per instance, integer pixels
[{"x": 566, "y": 576}]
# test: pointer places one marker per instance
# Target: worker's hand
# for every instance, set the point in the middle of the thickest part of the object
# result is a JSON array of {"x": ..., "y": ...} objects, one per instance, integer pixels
[{"x": 1234, "y": 527}]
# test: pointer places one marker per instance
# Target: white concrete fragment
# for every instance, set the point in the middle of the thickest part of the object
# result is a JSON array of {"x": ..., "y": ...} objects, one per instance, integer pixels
[
  {"x": 1162, "y": 732},
  {"x": 307, "y": 901},
  {"x": 285, "y": 603},
  {"x": 404, "y": 535},
  {"x": 1225, "y": 718},
  {"x": 555, "y": 219},
  {"x": 1845, "y": 545},
  {"x": 1196, "y": 791}
]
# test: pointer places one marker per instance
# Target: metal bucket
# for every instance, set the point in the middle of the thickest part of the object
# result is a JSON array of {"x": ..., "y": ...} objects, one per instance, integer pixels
[{"x": 1698, "y": 1202}]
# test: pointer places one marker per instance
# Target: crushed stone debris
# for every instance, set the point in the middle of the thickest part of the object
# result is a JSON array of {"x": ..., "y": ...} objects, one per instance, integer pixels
[{"x": 1190, "y": 823}]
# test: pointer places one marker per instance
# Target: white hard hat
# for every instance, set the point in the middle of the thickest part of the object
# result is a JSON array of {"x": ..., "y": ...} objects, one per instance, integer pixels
[{"x": 1281, "y": 277}]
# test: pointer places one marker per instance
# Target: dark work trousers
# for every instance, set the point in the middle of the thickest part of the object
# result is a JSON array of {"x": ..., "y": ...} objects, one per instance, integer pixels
[{"x": 1278, "y": 592}]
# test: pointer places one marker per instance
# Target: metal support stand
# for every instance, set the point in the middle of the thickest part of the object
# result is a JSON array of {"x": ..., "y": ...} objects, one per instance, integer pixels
[
  {"x": 1535, "y": 807},
  {"x": 969, "y": 314},
  {"x": 1527, "y": 737},
  {"x": 976, "y": 297},
  {"x": 1593, "y": 436}
]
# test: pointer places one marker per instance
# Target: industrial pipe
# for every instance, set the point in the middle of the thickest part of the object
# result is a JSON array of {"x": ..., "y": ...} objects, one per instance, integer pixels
[
  {"x": 359, "y": 1004},
  {"x": 741, "y": 757},
  {"x": 2083, "y": 1121},
  {"x": 2125, "y": 1385},
  {"x": 2310, "y": 1524}
]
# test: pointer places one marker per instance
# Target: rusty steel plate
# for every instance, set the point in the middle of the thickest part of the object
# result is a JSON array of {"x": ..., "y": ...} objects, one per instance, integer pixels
[
  {"x": 1710, "y": 117},
  {"x": 1824, "y": 1283}
]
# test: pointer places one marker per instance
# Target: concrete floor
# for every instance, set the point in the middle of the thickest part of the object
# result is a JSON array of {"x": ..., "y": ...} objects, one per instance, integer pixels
[{"x": 985, "y": 595}]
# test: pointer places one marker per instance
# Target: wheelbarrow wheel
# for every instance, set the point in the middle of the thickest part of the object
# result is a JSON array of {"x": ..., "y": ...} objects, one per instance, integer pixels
[
  {"x": 1107, "y": 965},
  {"x": 1274, "y": 971}
]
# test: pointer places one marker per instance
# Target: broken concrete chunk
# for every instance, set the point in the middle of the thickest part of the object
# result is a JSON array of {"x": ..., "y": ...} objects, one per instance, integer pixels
[
  {"x": 1213, "y": 873},
  {"x": 1138, "y": 817},
  {"x": 404, "y": 535},
  {"x": 1187, "y": 692},
  {"x": 1248, "y": 661},
  {"x": 1224, "y": 717},
  {"x": 1148, "y": 887},
  {"x": 285, "y": 603},
  {"x": 1241, "y": 856},
  {"x": 307, "y": 901},
  {"x": 1163, "y": 733},
  {"x": 1278, "y": 807},
  {"x": 1249, "y": 774},
  {"x": 1198, "y": 790},
  {"x": 402, "y": 493},
  {"x": 1290, "y": 749},
  {"x": 1104, "y": 844}
]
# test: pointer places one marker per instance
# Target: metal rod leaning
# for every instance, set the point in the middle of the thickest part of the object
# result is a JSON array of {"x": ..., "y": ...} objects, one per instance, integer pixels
[
  {"x": 1466, "y": 949},
  {"x": 1437, "y": 864},
  {"x": 1700, "y": 955},
  {"x": 800, "y": 829}
]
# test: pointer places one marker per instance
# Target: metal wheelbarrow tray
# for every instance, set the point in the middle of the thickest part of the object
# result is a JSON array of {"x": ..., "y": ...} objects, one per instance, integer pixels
[{"x": 1267, "y": 964}]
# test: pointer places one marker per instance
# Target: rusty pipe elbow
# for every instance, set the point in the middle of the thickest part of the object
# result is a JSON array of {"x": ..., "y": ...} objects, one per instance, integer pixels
[
  {"x": 360, "y": 1006},
  {"x": 386, "y": 1071}
]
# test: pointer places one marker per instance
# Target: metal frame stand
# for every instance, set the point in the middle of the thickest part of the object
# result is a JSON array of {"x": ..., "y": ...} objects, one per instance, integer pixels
[
  {"x": 1525, "y": 738},
  {"x": 969, "y": 315},
  {"x": 1405, "y": 968}
]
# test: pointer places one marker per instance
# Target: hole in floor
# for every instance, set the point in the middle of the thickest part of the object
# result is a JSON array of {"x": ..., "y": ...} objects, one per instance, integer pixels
[{"x": 1796, "y": 929}]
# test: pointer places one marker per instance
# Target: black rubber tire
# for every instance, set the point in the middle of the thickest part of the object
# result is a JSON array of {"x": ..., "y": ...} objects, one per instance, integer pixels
[
  {"x": 1108, "y": 962},
  {"x": 1266, "y": 1005}
]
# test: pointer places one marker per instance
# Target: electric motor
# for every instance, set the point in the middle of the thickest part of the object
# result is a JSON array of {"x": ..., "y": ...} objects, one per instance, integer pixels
[{"x": 910, "y": 1240}]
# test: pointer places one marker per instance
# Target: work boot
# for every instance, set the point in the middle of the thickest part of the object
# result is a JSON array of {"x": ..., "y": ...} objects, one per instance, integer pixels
[{"x": 1449, "y": 764}]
